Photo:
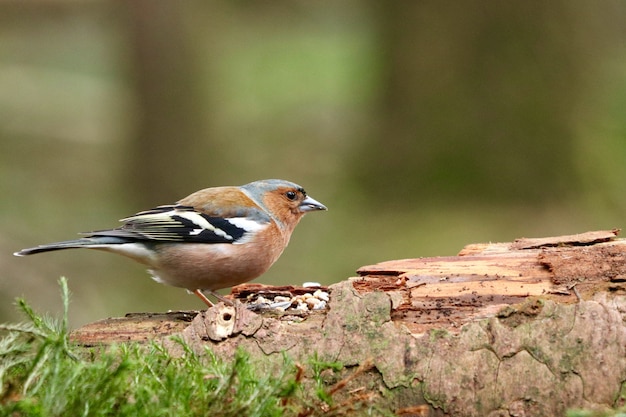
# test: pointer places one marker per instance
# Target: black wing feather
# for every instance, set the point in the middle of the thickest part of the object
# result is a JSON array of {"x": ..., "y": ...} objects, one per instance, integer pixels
[{"x": 176, "y": 224}]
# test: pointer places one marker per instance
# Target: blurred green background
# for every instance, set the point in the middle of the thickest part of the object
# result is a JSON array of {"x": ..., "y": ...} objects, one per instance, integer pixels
[{"x": 422, "y": 125}]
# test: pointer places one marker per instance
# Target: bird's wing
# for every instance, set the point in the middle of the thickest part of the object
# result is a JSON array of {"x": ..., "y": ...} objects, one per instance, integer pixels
[{"x": 181, "y": 223}]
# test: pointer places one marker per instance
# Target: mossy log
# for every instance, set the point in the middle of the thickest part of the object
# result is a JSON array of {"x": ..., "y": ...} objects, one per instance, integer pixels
[{"x": 531, "y": 327}]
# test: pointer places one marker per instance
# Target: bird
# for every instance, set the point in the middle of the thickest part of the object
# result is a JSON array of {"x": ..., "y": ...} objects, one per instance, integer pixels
[{"x": 214, "y": 238}]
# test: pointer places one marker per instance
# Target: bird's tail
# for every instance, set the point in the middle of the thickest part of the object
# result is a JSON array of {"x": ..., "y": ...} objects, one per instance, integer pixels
[{"x": 86, "y": 242}]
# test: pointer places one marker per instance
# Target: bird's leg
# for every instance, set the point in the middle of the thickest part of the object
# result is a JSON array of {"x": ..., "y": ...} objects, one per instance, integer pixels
[
  {"x": 208, "y": 302},
  {"x": 220, "y": 297},
  {"x": 203, "y": 298}
]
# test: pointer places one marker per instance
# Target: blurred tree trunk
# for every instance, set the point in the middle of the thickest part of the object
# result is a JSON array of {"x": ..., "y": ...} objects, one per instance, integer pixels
[
  {"x": 485, "y": 99},
  {"x": 166, "y": 160}
]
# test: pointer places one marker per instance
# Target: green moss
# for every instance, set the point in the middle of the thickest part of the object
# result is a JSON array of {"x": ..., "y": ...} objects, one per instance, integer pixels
[
  {"x": 537, "y": 353},
  {"x": 436, "y": 334},
  {"x": 518, "y": 314}
]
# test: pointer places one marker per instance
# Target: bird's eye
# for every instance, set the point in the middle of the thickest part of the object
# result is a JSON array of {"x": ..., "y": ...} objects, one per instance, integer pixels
[{"x": 291, "y": 195}]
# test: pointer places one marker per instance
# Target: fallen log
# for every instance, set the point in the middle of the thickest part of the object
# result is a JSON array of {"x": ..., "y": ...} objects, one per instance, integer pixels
[{"x": 530, "y": 327}]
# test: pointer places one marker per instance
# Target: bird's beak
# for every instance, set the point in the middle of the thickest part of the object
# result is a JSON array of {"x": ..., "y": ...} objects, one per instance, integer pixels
[{"x": 310, "y": 204}]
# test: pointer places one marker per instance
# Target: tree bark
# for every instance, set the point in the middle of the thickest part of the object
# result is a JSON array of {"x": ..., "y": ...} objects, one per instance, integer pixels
[{"x": 531, "y": 327}]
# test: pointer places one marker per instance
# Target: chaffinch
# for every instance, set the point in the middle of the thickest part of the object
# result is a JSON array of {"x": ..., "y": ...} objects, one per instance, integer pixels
[{"x": 212, "y": 239}]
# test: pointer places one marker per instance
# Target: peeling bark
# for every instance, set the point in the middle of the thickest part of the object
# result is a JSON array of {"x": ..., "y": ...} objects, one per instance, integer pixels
[{"x": 532, "y": 327}]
